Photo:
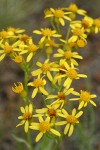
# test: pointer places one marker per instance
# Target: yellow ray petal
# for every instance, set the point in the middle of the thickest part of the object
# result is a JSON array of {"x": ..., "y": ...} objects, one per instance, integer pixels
[
  {"x": 81, "y": 105},
  {"x": 93, "y": 103},
  {"x": 66, "y": 128},
  {"x": 39, "y": 136},
  {"x": 79, "y": 114},
  {"x": 55, "y": 132},
  {"x": 34, "y": 92},
  {"x": 26, "y": 126},
  {"x": 43, "y": 90},
  {"x": 71, "y": 130}
]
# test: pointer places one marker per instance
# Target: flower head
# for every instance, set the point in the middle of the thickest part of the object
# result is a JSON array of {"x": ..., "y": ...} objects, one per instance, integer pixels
[
  {"x": 47, "y": 33},
  {"x": 68, "y": 55},
  {"x": 84, "y": 98},
  {"x": 47, "y": 13},
  {"x": 30, "y": 48},
  {"x": 17, "y": 58},
  {"x": 81, "y": 43},
  {"x": 77, "y": 33},
  {"x": 61, "y": 97},
  {"x": 71, "y": 73},
  {"x": 18, "y": 88},
  {"x": 44, "y": 126},
  {"x": 14, "y": 31},
  {"x": 59, "y": 15},
  {"x": 45, "y": 68},
  {"x": 96, "y": 25},
  {"x": 86, "y": 23},
  {"x": 26, "y": 116},
  {"x": 74, "y": 9},
  {"x": 70, "y": 121},
  {"x": 24, "y": 38},
  {"x": 38, "y": 83},
  {"x": 51, "y": 110},
  {"x": 8, "y": 49},
  {"x": 4, "y": 36}
]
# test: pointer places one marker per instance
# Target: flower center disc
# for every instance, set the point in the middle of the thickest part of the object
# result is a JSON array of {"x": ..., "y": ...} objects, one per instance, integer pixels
[
  {"x": 47, "y": 32},
  {"x": 51, "y": 112},
  {"x": 45, "y": 67},
  {"x": 27, "y": 116},
  {"x": 77, "y": 32},
  {"x": 32, "y": 48},
  {"x": 71, "y": 119},
  {"x": 8, "y": 49},
  {"x": 68, "y": 54},
  {"x": 4, "y": 34},
  {"x": 44, "y": 126},
  {"x": 59, "y": 13},
  {"x": 72, "y": 74},
  {"x": 61, "y": 95},
  {"x": 97, "y": 22},
  {"x": 73, "y": 8},
  {"x": 85, "y": 96},
  {"x": 38, "y": 82}
]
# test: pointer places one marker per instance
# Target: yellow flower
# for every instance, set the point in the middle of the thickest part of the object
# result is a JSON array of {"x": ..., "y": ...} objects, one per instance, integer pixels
[
  {"x": 70, "y": 122},
  {"x": 78, "y": 33},
  {"x": 17, "y": 58},
  {"x": 8, "y": 34},
  {"x": 45, "y": 68},
  {"x": 81, "y": 43},
  {"x": 76, "y": 44},
  {"x": 44, "y": 126},
  {"x": 60, "y": 97},
  {"x": 47, "y": 13},
  {"x": 96, "y": 25},
  {"x": 68, "y": 55},
  {"x": 24, "y": 37},
  {"x": 84, "y": 98},
  {"x": 74, "y": 9},
  {"x": 51, "y": 110},
  {"x": 38, "y": 83},
  {"x": 59, "y": 15},
  {"x": 61, "y": 69},
  {"x": 8, "y": 49},
  {"x": 4, "y": 35},
  {"x": 14, "y": 31},
  {"x": 46, "y": 33},
  {"x": 51, "y": 43},
  {"x": 30, "y": 48},
  {"x": 26, "y": 116},
  {"x": 49, "y": 46},
  {"x": 19, "y": 89},
  {"x": 85, "y": 23},
  {"x": 70, "y": 74}
]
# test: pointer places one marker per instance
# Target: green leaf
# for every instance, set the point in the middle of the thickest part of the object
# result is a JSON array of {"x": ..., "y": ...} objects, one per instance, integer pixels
[{"x": 21, "y": 140}]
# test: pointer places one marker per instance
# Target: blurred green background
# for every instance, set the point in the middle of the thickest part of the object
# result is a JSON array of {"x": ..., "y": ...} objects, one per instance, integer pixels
[{"x": 28, "y": 14}]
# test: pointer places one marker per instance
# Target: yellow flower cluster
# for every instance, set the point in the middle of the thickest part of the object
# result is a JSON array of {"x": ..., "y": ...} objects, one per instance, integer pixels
[{"x": 50, "y": 67}]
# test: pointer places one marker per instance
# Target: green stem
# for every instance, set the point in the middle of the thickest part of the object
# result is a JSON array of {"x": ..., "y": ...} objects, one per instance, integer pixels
[
  {"x": 29, "y": 140},
  {"x": 26, "y": 73},
  {"x": 58, "y": 28},
  {"x": 67, "y": 36},
  {"x": 35, "y": 61},
  {"x": 52, "y": 23},
  {"x": 58, "y": 141}
]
